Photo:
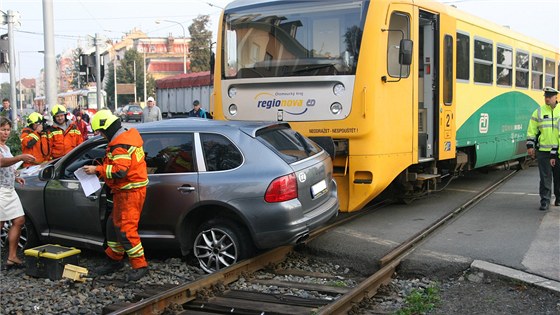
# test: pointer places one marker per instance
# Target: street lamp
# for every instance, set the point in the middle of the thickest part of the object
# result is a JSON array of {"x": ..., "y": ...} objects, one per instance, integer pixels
[
  {"x": 184, "y": 39},
  {"x": 19, "y": 75}
]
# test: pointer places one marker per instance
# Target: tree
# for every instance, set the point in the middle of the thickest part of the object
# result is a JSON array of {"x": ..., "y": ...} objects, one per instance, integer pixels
[
  {"x": 125, "y": 74},
  {"x": 4, "y": 90},
  {"x": 201, "y": 40}
]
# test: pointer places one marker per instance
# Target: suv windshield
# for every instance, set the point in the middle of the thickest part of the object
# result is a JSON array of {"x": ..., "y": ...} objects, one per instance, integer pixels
[
  {"x": 289, "y": 144},
  {"x": 292, "y": 39}
]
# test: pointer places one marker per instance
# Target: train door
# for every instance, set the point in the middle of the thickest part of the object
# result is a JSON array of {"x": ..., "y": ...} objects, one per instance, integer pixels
[
  {"x": 427, "y": 84},
  {"x": 436, "y": 106},
  {"x": 446, "y": 98}
]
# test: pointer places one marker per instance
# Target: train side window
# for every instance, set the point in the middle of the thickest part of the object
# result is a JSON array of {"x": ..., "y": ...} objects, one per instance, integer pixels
[
  {"x": 483, "y": 61},
  {"x": 463, "y": 56},
  {"x": 536, "y": 72},
  {"x": 448, "y": 70},
  {"x": 522, "y": 70},
  {"x": 399, "y": 22},
  {"x": 549, "y": 73},
  {"x": 504, "y": 65}
]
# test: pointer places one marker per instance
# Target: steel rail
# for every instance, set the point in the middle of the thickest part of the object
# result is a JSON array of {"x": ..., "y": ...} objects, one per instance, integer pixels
[{"x": 188, "y": 291}]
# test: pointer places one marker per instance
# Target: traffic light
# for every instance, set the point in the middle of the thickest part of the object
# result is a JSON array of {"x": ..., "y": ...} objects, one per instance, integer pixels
[
  {"x": 87, "y": 66},
  {"x": 4, "y": 48}
]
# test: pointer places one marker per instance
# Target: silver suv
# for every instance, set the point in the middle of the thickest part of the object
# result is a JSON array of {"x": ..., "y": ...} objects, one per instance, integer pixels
[{"x": 219, "y": 190}]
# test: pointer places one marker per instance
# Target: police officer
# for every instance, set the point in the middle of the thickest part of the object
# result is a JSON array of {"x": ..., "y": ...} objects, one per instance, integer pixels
[
  {"x": 124, "y": 171},
  {"x": 542, "y": 138}
]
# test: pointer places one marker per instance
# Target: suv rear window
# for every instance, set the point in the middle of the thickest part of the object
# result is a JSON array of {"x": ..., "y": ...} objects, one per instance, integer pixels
[
  {"x": 135, "y": 108},
  {"x": 289, "y": 144}
]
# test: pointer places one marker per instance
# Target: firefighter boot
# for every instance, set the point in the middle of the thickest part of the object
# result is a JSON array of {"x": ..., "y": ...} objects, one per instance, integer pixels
[
  {"x": 109, "y": 268},
  {"x": 136, "y": 274}
]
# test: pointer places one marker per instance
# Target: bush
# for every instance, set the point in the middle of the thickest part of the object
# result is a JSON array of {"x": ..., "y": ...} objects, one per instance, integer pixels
[{"x": 14, "y": 143}]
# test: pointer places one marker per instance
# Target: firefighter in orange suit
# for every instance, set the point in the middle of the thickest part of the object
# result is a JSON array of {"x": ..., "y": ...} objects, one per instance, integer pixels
[
  {"x": 63, "y": 135},
  {"x": 124, "y": 171},
  {"x": 34, "y": 140}
]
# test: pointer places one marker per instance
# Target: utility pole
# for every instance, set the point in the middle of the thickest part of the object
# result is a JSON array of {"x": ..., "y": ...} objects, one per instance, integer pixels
[
  {"x": 135, "y": 97},
  {"x": 115, "y": 78},
  {"x": 50, "y": 61},
  {"x": 97, "y": 43},
  {"x": 145, "y": 88}
]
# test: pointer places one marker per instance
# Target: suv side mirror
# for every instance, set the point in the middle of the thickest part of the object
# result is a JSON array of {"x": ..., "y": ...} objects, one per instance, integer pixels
[{"x": 47, "y": 173}]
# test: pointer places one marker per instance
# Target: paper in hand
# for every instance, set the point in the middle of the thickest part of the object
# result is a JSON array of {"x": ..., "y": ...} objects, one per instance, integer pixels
[{"x": 90, "y": 183}]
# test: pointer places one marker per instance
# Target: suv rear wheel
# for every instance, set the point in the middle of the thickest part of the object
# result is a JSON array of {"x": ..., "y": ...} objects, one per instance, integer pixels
[{"x": 219, "y": 244}]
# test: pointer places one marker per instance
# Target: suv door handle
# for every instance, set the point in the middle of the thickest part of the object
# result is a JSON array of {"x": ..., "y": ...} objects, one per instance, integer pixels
[
  {"x": 92, "y": 197},
  {"x": 186, "y": 188}
]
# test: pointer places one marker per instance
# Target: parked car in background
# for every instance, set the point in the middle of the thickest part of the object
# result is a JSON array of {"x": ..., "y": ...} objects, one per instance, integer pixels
[
  {"x": 204, "y": 196},
  {"x": 118, "y": 111},
  {"x": 131, "y": 112}
]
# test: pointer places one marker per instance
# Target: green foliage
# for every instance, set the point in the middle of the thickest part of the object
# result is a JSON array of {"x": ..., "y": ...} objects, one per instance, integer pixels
[
  {"x": 421, "y": 301},
  {"x": 4, "y": 90},
  {"x": 14, "y": 143},
  {"x": 125, "y": 74},
  {"x": 201, "y": 40}
]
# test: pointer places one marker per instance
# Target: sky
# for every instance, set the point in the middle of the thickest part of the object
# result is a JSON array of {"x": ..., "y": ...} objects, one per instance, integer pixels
[{"x": 75, "y": 20}]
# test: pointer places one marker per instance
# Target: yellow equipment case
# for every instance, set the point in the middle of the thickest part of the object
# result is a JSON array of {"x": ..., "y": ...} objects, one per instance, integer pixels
[{"x": 47, "y": 261}]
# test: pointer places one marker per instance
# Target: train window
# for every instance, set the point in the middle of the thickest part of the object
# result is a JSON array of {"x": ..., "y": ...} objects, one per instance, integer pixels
[
  {"x": 399, "y": 22},
  {"x": 483, "y": 63},
  {"x": 463, "y": 56},
  {"x": 504, "y": 66},
  {"x": 447, "y": 69},
  {"x": 549, "y": 73},
  {"x": 536, "y": 72},
  {"x": 522, "y": 70}
]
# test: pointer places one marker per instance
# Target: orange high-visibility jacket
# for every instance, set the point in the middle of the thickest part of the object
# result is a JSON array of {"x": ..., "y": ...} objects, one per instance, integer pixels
[
  {"x": 124, "y": 166},
  {"x": 63, "y": 141},
  {"x": 35, "y": 144}
]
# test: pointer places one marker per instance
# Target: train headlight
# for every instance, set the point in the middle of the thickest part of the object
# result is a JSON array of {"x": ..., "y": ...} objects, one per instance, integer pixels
[
  {"x": 339, "y": 89},
  {"x": 336, "y": 108},
  {"x": 232, "y": 92},
  {"x": 232, "y": 109}
]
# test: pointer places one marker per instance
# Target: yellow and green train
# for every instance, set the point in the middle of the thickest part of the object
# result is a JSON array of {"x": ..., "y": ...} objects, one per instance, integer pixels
[{"x": 400, "y": 92}]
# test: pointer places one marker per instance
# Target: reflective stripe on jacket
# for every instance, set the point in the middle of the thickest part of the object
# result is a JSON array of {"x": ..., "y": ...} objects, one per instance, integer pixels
[
  {"x": 35, "y": 144},
  {"x": 63, "y": 141},
  {"x": 124, "y": 166},
  {"x": 542, "y": 131}
]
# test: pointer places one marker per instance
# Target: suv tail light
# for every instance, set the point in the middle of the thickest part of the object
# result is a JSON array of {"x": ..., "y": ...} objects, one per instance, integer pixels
[{"x": 282, "y": 189}]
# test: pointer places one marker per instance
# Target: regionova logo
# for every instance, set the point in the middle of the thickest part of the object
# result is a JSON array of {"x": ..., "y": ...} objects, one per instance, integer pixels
[{"x": 289, "y": 102}]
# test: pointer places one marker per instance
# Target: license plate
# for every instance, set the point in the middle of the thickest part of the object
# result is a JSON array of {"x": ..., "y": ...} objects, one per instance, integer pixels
[{"x": 319, "y": 189}]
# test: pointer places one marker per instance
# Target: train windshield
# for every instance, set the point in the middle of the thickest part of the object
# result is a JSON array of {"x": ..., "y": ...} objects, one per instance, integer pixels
[{"x": 303, "y": 39}]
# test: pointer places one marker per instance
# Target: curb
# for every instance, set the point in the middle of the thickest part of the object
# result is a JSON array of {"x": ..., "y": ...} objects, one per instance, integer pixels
[{"x": 517, "y": 275}]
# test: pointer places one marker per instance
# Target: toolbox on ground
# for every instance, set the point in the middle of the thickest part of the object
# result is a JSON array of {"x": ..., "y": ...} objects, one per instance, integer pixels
[{"x": 47, "y": 261}]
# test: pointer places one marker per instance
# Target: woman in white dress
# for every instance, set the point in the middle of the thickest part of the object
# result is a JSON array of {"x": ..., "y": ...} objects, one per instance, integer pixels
[{"x": 10, "y": 205}]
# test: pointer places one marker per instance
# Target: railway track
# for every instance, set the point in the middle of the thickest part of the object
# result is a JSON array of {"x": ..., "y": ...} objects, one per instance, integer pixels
[{"x": 331, "y": 294}]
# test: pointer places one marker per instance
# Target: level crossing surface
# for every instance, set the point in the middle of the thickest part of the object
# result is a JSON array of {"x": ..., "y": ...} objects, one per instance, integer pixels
[{"x": 505, "y": 229}]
